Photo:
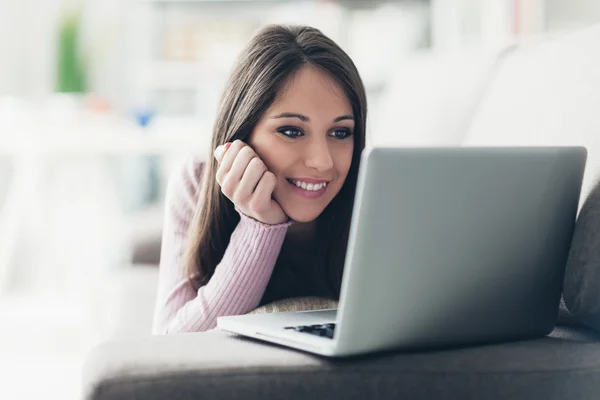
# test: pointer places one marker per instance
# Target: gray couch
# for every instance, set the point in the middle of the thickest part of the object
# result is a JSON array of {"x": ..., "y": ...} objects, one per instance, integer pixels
[
  {"x": 537, "y": 95},
  {"x": 563, "y": 365},
  {"x": 216, "y": 365}
]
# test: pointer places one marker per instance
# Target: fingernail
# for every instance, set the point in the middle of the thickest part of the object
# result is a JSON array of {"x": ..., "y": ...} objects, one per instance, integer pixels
[{"x": 227, "y": 145}]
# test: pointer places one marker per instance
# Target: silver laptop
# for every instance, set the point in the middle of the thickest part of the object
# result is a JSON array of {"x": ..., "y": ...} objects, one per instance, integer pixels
[{"x": 448, "y": 246}]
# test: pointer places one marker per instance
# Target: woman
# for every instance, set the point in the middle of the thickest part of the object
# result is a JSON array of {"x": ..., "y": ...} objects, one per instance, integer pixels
[{"x": 268, "y": 217}]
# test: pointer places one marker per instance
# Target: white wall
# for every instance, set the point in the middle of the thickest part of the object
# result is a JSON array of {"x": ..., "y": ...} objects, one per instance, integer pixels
[
  {"x": 27, "y": 46},
  {"x": 570, "y": 14},
  {"x": 11, "y": 78}
]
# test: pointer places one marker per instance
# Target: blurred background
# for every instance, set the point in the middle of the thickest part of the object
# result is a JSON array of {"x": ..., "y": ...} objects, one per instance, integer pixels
[{"x": 100, "y": 99}]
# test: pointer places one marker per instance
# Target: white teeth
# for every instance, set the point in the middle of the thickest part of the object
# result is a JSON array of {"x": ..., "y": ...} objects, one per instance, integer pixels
[{"x": 313, "y": 187}]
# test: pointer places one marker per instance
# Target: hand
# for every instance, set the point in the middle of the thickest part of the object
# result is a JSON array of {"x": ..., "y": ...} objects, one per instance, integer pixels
[{"x": 245, "y": 180}]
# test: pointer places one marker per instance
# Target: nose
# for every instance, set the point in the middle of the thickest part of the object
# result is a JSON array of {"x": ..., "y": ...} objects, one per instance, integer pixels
[{"x": 318, "y": 156}]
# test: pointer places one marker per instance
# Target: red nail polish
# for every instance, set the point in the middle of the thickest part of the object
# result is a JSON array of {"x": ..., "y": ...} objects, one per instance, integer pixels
[{"x": 227, "y": 145}]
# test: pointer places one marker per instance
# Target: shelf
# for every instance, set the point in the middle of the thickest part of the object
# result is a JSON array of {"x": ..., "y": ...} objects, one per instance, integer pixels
[
  {"x": 350, "y": 4},
  {"x": 171, "y": 74},
  {"x": 197, "y": 84},
  {"x": 164, "y": 136},
  {"x": 220, "y": 2}
]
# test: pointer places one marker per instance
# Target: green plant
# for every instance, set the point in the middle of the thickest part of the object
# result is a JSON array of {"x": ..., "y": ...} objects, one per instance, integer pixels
[{"x": 70, "y": 71}]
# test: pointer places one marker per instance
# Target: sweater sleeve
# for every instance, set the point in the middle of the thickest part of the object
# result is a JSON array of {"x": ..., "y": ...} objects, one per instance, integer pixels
[{"x": 239, "y": 280}]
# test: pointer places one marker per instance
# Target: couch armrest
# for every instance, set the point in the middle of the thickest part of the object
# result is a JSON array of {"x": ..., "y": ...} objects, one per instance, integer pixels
[
  {"x": 217, "y": 365},
  {"x": 145, "y": 235},
  {"x": 146, "y": 249}
]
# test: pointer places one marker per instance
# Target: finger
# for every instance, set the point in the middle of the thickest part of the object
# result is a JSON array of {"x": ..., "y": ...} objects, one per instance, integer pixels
[
  {"x": 232, "y": 179},
  {"x": 252, "y": 175},
  {"x": 242, "y": 159},
  {"x": 228, "y": 159},
  {"x": 262, "y": 196},
  {"x": 220, "y": 151}
]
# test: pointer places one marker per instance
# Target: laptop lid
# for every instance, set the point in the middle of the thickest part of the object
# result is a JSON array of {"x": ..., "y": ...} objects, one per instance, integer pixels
[{"x": 457, "y": 245}]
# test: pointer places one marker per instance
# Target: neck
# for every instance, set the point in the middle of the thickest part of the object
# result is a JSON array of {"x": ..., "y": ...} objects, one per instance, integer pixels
[{"x": 302, "y": 232}]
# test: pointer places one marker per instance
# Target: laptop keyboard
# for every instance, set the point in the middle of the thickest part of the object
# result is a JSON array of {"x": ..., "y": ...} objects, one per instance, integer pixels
[{"x": 323, "y": 330}]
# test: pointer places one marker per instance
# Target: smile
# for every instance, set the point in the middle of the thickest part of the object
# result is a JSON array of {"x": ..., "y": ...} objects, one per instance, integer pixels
[
  {"x": 311, "y": 187},
  {"x": 308, "y": 190}
]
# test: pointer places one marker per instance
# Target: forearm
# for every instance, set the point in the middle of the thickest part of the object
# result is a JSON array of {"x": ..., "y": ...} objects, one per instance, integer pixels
[{"x": 238, "y": 283}]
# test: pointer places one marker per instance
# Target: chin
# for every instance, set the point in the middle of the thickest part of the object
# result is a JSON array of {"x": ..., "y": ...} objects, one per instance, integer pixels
[{"x": 302, "y": 215}]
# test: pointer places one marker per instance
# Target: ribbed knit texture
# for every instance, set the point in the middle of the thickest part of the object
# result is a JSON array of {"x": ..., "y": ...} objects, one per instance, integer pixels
[{"x": 240, "y": 279}]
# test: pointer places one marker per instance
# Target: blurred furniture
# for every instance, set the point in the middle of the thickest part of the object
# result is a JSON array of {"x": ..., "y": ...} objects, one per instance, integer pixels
[
  {"x": 58, "y": 146},
  {"x": 534, "y": 94},
  {"x": 180, "y": 52}
]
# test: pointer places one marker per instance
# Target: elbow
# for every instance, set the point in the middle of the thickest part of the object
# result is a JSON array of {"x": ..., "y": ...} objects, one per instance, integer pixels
[{"x": 175, "y": 327}]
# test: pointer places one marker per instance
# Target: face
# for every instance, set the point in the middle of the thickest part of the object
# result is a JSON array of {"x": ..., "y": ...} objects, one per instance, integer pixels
[{"x": 306, "y": 139}]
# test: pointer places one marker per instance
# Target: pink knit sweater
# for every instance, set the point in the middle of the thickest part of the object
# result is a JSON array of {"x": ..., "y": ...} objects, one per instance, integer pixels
[{"x": 239, "y": 281}]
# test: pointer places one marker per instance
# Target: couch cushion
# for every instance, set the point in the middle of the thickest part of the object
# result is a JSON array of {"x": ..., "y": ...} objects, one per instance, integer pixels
[
  {"x": 546, "y": 94},
  {"x": 582, "y": 278},
  {"x": 421, "y": 106},
  {"x": 216, "y": 365}
]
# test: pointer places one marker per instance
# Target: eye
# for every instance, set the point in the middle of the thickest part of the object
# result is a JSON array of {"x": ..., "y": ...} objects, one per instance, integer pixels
[
  {"x": 341, "y": 133},
  {"x": 290, "y": 132}
]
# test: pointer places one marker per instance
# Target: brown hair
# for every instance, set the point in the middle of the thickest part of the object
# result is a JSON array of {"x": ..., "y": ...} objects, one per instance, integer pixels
[{"x": 272, "y": 57}]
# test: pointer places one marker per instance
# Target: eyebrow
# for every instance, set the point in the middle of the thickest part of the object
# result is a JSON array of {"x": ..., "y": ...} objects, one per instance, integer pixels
[{"x": 304, "y": 118}]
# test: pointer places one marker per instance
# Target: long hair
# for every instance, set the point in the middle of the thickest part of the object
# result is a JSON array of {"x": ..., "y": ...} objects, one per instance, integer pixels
[{"x": 272, "y": 57}]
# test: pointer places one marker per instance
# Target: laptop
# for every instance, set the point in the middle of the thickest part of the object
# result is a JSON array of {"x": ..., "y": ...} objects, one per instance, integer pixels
[{"x": 447, "y": 247}]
